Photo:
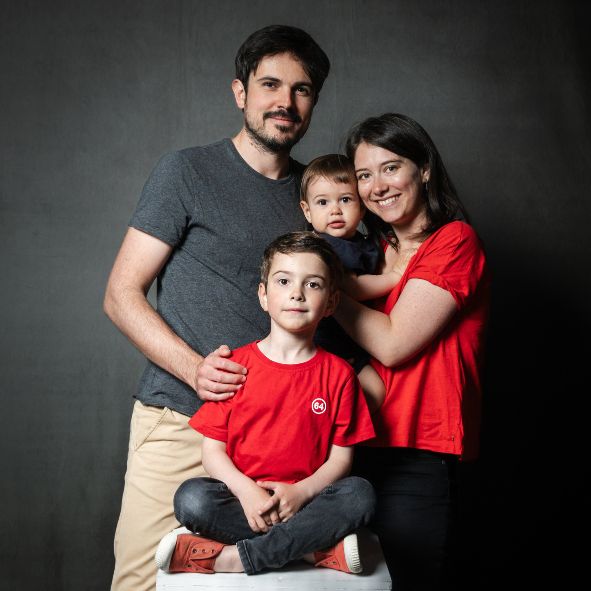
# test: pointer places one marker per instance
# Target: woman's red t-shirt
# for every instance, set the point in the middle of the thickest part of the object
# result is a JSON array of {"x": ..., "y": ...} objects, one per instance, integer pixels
[{"x": 433, "y": 401}]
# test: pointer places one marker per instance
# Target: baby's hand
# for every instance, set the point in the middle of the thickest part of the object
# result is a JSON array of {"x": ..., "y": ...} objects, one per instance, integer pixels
[{"x": 288, "y": 499}]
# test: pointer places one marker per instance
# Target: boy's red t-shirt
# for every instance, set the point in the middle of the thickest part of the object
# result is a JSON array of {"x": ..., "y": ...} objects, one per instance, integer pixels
[
  {"x": 281, "y": 424},
  {"x": 433, "y": 401}
]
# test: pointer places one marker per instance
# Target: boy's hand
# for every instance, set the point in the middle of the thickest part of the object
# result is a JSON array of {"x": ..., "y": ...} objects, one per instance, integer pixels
[
  {"x": 253, "y": 501},
  {"x": 287, "y": 499}
]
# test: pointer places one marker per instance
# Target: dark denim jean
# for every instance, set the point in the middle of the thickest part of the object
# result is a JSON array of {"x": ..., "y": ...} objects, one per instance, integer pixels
[
  {"x": 207, "y": 506},
  {"x": 414, "y": 515}
]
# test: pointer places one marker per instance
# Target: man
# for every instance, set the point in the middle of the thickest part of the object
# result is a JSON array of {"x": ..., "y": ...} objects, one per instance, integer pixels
[{"x": 202, "y": 223}]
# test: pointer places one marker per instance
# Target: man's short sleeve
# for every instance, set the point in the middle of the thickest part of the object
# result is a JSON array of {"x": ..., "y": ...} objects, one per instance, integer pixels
[
  {"x": 454, "y": 261},
  {"x": 167, "y": 203}
]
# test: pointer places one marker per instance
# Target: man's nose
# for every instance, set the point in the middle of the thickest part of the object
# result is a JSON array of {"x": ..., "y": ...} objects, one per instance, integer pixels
[{"x": 285, "y": 98}]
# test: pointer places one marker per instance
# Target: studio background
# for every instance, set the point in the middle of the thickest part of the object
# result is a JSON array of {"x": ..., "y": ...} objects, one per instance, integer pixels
[{"x": 93, "y": 93}]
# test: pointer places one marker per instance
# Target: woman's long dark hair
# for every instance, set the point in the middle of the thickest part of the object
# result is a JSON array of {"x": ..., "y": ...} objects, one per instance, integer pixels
[{"x": 404, "y": 136}]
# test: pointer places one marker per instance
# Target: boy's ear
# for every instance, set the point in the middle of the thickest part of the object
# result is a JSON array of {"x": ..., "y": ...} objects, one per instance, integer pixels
[
  {"x": 306, "y": 209},
  {"x": 263, "y": 297},
  {"x": 333, "y": 302},
  {"x": 239, "y": 93}
]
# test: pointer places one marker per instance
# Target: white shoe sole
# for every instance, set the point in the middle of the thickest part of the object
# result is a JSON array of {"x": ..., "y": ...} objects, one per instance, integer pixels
[
  {"x": 351, "y": 550},
  {"x": 166, "y": 547}
]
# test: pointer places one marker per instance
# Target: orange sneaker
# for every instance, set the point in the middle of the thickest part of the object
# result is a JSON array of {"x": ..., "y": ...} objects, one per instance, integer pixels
[
  {"x": 344, "y": 556},
  {"x": 182, "y": 551}
]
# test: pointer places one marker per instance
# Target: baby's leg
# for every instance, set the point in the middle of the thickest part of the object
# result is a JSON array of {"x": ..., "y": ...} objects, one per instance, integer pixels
[{"x": 373, "y": 388}]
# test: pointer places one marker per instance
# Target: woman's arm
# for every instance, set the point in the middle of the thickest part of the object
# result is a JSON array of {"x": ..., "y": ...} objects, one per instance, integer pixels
[
  {"x": 419, "y": 315},
  {"x": 367, "y": 286}
]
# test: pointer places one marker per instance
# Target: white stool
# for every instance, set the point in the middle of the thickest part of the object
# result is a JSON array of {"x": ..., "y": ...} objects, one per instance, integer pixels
[{"x": 297, "y": 576}]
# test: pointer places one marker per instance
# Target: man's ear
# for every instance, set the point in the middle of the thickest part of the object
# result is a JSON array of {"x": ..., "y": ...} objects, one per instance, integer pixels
[
  {"x": 239, "y": 93},
  {"x": 333, "y": 302},
  {"x": 306, "y": 209},
  {"x": 263, "y": 297}
]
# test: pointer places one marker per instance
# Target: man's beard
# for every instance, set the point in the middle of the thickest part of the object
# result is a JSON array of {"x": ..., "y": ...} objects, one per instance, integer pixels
[{"x": 269, "y": 143}]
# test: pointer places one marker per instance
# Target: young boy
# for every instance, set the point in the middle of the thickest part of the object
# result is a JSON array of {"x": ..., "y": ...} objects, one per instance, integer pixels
[
  {"x": 331, "y": 204},
  {"x": 282, "y": 442}
]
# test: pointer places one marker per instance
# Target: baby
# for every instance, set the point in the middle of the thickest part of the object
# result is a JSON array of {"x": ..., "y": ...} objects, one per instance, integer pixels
[{"x": 330, "y": 202}]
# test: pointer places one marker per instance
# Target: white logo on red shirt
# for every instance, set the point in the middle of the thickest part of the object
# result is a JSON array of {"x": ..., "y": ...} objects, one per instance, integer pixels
[{"x": 318, "y": 406}]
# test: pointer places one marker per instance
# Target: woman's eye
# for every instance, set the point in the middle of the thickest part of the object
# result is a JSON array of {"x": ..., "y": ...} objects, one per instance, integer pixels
[{"x": 362, "y": 176}]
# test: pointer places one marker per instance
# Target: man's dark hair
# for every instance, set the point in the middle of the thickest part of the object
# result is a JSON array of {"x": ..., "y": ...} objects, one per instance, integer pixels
[
  {"x": 276, "y": 39},
  {"x": 296, "y": 242}
]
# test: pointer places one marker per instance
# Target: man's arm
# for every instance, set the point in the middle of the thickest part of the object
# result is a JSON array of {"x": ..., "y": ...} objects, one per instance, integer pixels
[
  {"x": 218, "y": 465},
  {"x": 140, "y": 259},
  {"x": 288, "y": 499}
]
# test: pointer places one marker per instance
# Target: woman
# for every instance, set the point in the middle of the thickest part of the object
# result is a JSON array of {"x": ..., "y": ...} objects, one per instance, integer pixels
[{"x": 426, "y": 338}]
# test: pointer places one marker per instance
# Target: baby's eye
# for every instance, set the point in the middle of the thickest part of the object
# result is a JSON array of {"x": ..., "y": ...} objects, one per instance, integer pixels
[
  {"x": 346, "y": 199},
  {"x": 321, "y": 202}
]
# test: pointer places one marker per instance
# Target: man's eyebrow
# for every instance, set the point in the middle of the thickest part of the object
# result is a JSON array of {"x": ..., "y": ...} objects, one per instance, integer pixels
[{"x": 274, "y": 79}]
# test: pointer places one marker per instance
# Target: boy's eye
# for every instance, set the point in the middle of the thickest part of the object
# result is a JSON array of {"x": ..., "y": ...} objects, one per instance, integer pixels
[
  {"x": 346, "y": 199},
  {"x": 282, "y": 281}
]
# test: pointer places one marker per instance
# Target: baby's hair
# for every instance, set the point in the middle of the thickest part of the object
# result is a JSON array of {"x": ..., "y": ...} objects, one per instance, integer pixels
[
  {"x": 296, "y": 242},
  {"x": 332, "y": 167}
]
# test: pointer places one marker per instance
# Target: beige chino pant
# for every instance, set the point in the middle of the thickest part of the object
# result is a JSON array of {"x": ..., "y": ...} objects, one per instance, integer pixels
[{"x": 163, "y": 452}]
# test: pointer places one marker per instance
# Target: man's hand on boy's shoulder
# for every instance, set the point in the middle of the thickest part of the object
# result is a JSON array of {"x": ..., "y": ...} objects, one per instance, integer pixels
[
  {"x": 253, "y": 499},
  {"x": 287, "y": 499},
  {"x": 217, "y": 378}
]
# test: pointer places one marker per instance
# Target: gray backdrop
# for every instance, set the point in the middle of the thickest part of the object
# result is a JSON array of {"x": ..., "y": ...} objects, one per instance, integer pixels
[{"x": 94, "y": 92}]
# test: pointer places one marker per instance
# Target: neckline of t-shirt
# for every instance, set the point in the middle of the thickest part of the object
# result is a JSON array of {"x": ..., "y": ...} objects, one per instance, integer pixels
[
  {"x": 235, "y": 154},
  {"x": 286, "y": 366}
]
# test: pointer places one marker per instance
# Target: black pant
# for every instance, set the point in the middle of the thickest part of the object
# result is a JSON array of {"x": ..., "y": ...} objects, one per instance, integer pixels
[
  {"x": 207, "y": 506},
  {"x": 414, "y": 514}
]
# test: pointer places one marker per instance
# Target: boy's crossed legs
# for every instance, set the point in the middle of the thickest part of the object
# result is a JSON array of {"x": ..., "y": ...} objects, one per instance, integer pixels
[{"x": 206, "y": 506}]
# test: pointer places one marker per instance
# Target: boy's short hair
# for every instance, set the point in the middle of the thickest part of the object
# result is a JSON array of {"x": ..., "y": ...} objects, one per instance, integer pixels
[
  {"x": 305, "y": 242},
  {"x": 333, "y": 167},
  {"x": 276, "y": 39}
]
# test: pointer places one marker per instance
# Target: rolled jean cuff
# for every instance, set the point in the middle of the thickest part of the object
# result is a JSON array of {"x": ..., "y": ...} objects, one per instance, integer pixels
[{"x": 244, "y": 558}]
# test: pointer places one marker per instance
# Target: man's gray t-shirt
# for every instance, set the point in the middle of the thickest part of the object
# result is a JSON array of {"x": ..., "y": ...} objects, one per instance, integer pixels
[{"x": 219, "y": 215}]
